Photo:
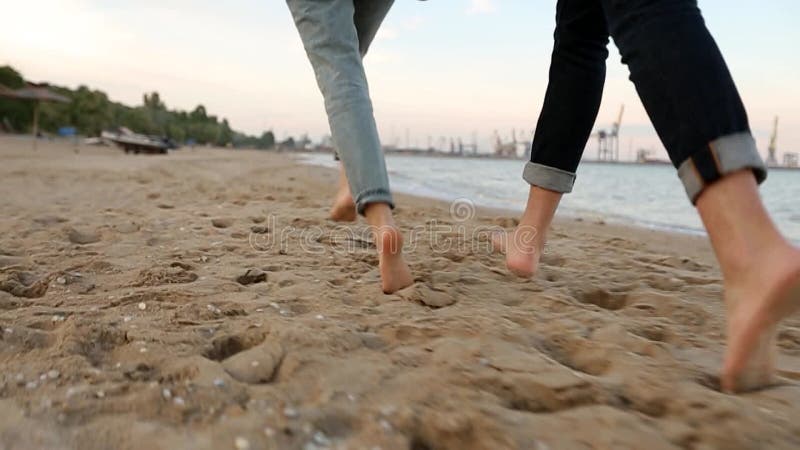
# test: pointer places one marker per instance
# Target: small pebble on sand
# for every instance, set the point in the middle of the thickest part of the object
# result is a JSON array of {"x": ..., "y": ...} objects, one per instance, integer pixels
[
  {"x": 219, "y": 382},
  {"x": 31, "y": 385},
  {"x": 320, "y": 317},
  {"x": 259, "y": 229},
  {"x": 8, "y": 330},
  {"x": 222, "y": 222},
  {"x": 127, "y": 319},
  {"x": 178, "y": 401},
  {"x": 53, "y": 374},
  {"x": 142, "y": 306},
  {"x": 269, "y": 432},
  {"x": 166, "y": 393},
  {"x": 241, "y": 443},
  {"x": 100, "y": 394},
  {"x": 252, "y": 276},
  {"x": 61, "y": 280},
  {"x": 319, "y": 438},
  {"x": 82, "y": 237},
  {"x": 290, "y": 412}
]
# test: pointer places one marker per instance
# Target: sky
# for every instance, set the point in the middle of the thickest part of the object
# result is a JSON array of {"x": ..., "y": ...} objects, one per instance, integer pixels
[{"x": 441, "y": 68}]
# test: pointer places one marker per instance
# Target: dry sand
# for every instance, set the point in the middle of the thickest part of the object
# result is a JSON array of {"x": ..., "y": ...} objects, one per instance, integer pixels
[{"x": 126, "y": 324}]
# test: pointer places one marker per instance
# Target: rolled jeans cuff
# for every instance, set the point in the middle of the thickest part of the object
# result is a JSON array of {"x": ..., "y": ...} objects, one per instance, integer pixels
[
  {"x": 722, "y": 157},
  {"x": 548, "y": 178},
  {"x": 373, "y": 196}
]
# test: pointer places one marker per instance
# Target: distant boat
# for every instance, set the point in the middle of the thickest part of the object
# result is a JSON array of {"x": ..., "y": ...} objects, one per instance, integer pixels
[{"x": 136, "y": 143}]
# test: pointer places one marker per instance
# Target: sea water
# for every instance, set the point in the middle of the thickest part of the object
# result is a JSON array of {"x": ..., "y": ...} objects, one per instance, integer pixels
[{"x": 639, "y": 194}]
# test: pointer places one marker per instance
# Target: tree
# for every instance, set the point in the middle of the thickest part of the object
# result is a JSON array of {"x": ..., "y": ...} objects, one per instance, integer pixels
[
  {"x": 266, "y": 141},
  {"x": 91, "y": 112},
  {"x": 199, "y": 113},
  {"x": 153, "y": 102},
  {"x": 17, "y": 113},
  {"x": 10, "y": 78},
  {"x": 225, "y": 134}
]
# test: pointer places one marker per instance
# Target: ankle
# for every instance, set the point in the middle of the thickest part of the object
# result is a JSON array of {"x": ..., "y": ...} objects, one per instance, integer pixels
[
  {"x": 743, "y": 262},
  {"x": 379, "y": 215}
]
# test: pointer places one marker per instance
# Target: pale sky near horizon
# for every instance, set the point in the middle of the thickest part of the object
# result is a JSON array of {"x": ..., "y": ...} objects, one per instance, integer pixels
[{"x": 438, "y": 68}]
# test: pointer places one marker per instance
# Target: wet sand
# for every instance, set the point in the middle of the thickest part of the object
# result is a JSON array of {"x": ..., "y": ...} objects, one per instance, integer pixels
[{"x": 201, "y": 300}]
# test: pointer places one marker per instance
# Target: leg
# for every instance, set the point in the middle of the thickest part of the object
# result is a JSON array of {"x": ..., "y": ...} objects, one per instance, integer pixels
[
  {"x": 330, "y": 38},
  {"x": 525, "y": 245},
  {"x": 762, "y": 276},
  {"x": 344, "y": 207},
  {"x": 577, "y": 75},
  {"x": 369, "y": 15},
  {"x": 685, "y": 85}
]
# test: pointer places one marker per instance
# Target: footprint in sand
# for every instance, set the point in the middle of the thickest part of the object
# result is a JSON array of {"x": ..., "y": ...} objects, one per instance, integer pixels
[
  {"x": 578, "y": 354},
  {"x": 433, "y": 296},
  {"x": 94, "y": 341},
  {"x": 156, "y": 276},
  {"x": 224, "y": 347},
  {"x": 25, "y": 284},
  {"x": 604, "y": 299}
]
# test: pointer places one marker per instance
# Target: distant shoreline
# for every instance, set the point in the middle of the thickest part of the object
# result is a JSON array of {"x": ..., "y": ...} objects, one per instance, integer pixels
[{"x": 437, "y": 154}]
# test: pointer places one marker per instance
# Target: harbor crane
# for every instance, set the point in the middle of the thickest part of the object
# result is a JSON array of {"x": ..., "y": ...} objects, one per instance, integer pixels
[
  {"x": 772, "y": 159},
  {"x": 608, "y": 140}
]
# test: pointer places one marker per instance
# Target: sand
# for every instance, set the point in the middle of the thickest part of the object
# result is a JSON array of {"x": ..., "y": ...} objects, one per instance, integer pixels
[{"x": 201, "y": 300}]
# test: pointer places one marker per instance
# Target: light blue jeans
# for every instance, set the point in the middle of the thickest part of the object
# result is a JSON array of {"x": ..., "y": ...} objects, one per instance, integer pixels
[{"x": 336, "y": 35}]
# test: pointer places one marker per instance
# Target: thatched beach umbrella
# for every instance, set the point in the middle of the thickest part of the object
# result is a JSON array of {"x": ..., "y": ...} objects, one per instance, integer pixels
[{"x": 37, "y": 93}]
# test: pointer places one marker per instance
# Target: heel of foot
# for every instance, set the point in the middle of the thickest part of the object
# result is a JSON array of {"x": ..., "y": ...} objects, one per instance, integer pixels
[{"x": 390, "y": 241}]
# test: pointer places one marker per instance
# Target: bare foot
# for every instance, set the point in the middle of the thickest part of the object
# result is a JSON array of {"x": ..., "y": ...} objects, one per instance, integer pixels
[
  {"x": 756, "y": 305},
  {"x": 395, "y": 274},
  {"x": 522, "y": 247},
  {"x": 344, "y": 208}
]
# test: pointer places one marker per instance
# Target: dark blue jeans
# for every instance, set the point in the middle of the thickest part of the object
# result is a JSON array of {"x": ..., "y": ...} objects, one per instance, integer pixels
[{"x": 681, "y": 78}]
